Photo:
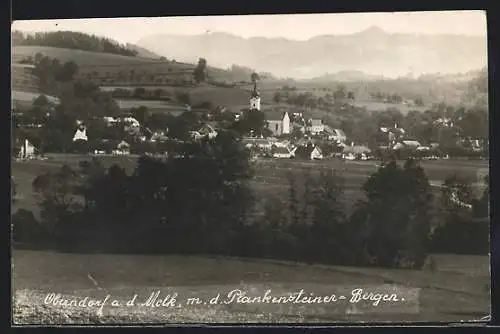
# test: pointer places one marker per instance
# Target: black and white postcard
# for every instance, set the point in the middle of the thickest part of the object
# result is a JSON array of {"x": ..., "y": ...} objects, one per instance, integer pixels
[{"x": 305, "y": 168}]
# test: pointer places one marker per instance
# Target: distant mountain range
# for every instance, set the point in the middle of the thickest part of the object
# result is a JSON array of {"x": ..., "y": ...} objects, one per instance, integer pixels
[{"x": 365, "y": 55}]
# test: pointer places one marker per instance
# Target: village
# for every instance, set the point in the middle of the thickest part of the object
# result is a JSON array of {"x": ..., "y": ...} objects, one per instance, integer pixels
[{"x": 287, "y": 134}]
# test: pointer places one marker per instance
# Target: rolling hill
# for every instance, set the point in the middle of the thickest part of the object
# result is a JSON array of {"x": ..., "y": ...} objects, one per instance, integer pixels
[
  {"x": 372, "y": 51},
  {"x": 103, "y": 65}
]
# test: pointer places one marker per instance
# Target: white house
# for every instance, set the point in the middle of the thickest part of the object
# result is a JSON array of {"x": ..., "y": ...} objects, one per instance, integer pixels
[
  {"x": 312, "y": 152},
  {"x": 278, "y": 123},
  {"x": 316, "y": 153},
  {"x": 207, "y": 130},
  {"x": 355, "y": 152},
  {"x": 263, "y": 143},
  {"x": 315, "y": 126},
  {"x": 132, "y": 122},
  {"x": 282, "y": 152},
  {"x": 123, "y": 148},
  {"x": 337, "y": 135},
  {"x": 444, "y": 121},
  {"x": 80, "y": 134},
  {"x": 412, "y": 144},
  {"x": 27, "y": 150}
]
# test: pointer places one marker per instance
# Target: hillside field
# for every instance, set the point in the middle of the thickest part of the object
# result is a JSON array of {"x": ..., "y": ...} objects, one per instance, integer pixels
[{"x": 80, "y": 57}]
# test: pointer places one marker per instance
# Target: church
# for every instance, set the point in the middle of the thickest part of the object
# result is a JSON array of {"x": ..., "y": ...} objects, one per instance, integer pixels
[{"x": 277, "y": 122}]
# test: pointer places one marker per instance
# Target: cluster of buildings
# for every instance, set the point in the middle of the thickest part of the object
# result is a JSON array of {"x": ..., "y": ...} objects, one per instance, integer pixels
[{"x": 281, "y": 124}]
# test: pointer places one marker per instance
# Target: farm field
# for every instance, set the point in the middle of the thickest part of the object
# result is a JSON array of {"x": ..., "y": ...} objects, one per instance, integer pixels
[
  {"x": 270, "y": 178},
  {"x": 380, "y": 106},
  {"x": 82, "y": 58},
  {"x": 458, "y": 289}
]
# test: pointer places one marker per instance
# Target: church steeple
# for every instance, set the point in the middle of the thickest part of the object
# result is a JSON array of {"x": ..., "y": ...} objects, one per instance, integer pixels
[
  {"x": 255, "y": 93},
  {"x": 255, "y": 98}
]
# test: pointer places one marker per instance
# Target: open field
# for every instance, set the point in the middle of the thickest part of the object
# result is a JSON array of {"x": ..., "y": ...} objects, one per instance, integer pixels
[
  {"x": 82, "y": 58},
  {"x": 457, "y": 290},
  {"x": 270, "y": 175},
  {"x": 153, "y": 106},
  {"x": 380, "y": 106}
]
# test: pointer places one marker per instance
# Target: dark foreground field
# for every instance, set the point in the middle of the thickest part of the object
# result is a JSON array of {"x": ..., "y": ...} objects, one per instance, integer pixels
[{"x": 457, "y": 289}]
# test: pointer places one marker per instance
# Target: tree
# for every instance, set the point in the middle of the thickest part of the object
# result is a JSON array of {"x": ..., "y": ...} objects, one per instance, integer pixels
[
  {"x": 255, "y": 77},
  {"x": 41, "y": 101},
  {"x": 394, "y": 220},
  {"x": 419, "y": 102},
  {"x": 67, "y": 72},
  {"x": 139, "y": 92},
  {"x": 277, "y": 97},
  {"x": 328, "y": 237},
  {"x": 252, "y": 121},
  {"x": 482, "y": 206},
  {"x": 74, "y": 40},
  {"x": 13, "y": 189},
  {"x": 141, "y": 114},
  {"x": 56, "y": 200},
  {"x": 199, "y": 72},
  {"x": 183, "y": 97},
  {"x": 340, "y": 93}
]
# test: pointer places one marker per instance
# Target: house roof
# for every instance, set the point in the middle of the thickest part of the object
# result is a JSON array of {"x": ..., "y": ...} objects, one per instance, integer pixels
[
  {"x": 412, "y": 143},
  {"x": 206, "y": 128},
  {"x": 273, "y": 115},
  {"x": 357, "y": 149},
  {"x": 306, "y": 150},
  {"x": 315, "y": 122},
  {"x": 281, "y": 150},
  {"x": 340, "y": 132}
]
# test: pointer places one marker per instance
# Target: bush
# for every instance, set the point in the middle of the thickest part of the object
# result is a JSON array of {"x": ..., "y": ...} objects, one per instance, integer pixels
[
  {"x": 454, "y": 237},
  {"x": 394, "y": 220},
  {"x": 26, "y": 229}
]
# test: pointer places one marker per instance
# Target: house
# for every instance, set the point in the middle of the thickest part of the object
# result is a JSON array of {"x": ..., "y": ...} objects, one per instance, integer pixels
[
  {"x": 81, "y": 133},
  {"x": 278, "y": 123},
  {"x": 444, "y": 121},
  {"x": 159, "y": 136},
  {"x": 315, "y": 126},
  {"x": 310, "y": 152},
  {"x": 282, "y": 152},
  {"x": 131, "y": 122},
  {"x": 207, "y": 130},
  {"x": 122, "y": 148},
  {"x": 262, "y": 143},
  {"x": 336, "y": 135},
  {"x": 406, "y": 144},
  {"x": 393, "y": 133},
  {"x": 356, "y": 152},
  {"x": 110, "y": 120},
  {"x": 27, "y": 151}
]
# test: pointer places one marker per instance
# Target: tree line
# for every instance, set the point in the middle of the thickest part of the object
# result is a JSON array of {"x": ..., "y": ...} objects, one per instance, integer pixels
[
  {"x": 72, "y": 40},
  {"x": 198, "y": 200}
]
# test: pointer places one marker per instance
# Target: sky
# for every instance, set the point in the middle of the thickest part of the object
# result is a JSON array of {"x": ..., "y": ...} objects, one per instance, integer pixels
[{"x": 292, "y": 26}]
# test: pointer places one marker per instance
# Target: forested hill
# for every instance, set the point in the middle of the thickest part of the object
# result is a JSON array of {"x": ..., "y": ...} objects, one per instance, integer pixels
[{"x": 72, "y": 40}]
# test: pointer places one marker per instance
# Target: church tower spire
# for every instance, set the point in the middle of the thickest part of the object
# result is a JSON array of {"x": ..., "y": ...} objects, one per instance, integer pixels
[{"x": 255, "y": 97}]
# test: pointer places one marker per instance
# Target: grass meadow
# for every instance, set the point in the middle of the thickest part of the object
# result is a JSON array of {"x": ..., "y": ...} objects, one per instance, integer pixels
[{"x": 458, "y": 289}]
